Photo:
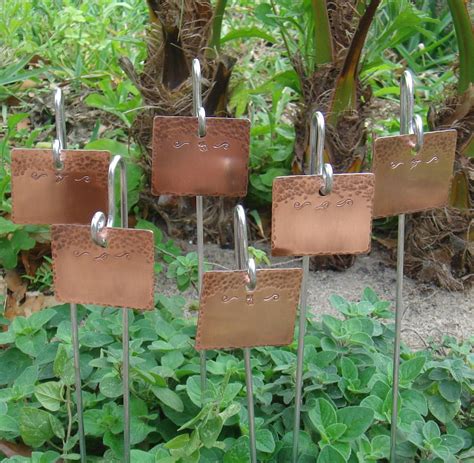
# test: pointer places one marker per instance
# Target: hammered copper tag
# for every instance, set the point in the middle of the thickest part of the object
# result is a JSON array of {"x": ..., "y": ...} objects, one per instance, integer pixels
[
  {"x": 407, "y": 181},
  {"x": 43, "y": 195},
  {"x": 119, "y": 275},
  {"x": 304, "y": 222},
  {"x": 185, "y": 164},
  {"x": 231, "y": 316}
]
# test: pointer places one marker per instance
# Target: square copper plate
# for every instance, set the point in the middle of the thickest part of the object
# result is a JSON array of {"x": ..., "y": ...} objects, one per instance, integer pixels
[
  {"x": 119, "y": 275},
  {"x": 230, "y": 316},
  {"x": 185, "y": 164},
  {"x": 43, "y": 195},
  {"x": 407, "y": 181},
  {"x": 305, "y": 223}
]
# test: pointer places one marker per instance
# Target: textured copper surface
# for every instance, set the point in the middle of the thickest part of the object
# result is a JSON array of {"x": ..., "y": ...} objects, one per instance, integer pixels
[
  {"x": 409, "y": 182},
  {"x": 119, "y": 275},
  {"x": 214, "y": 165},
  {"x": 230, "y": 316},
  {"x": 43, "y": 195},
  {"x": 306, "y": 223}
]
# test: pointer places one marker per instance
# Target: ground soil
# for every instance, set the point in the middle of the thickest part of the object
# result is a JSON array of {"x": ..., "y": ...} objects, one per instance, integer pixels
[{"x": 430, "y": 312}]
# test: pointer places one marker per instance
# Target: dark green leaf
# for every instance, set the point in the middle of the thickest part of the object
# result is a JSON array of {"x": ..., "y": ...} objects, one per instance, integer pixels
[
  {"x": 329, "y": 454},
  {"x": 357, "y": 420}
]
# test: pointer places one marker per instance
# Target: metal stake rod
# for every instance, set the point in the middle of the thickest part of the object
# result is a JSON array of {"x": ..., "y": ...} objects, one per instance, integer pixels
[
  {"x": 406, "y": 118},
  {"x": 125, "y": 320},
  {"x": 250, "y": 405},
  {"x": 98, "y": 224},
  {"x": 61, "y": 138},
  {"x": 316, "y": 148},
  {"x": 199, "y": 112},
  {"x": 243, "y": 262}
]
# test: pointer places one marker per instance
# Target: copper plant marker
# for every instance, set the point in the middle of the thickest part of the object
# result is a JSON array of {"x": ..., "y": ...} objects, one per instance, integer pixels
[
  {"x": 42, "y": 194},
  {"x": 119, "y": 275},
  {"x": 185, "y": 164},
  {"x": 407, "y": 181},
  {"x": 304, "y": 222},
  {"x": 231, "y": 316}
]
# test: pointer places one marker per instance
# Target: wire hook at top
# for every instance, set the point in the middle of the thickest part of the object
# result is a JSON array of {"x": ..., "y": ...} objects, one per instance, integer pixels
[
  {"x": 198, "y": 109},
  {"x": 100, "y": 221},
  {"x": 60, "y": 141},
  {"x": 409, "y": 123},
  {"x": 241, "y": 247},
  {"x": 316, "y": 152}
]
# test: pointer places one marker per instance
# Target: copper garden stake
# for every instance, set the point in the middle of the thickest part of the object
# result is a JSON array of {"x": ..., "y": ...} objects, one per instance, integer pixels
[
  {"x": 215, "y": 164},
  {"x": 413, "y": 173},
  {"x": 125, "y": 267},
  {"x": 410, "y": 180},
  {"x": 232, "y": 317},
  {"x": 43, "y": 194},
  {"x": 60, "y": 186},
  {"x": 320, "y": 214},
  {"x": 247, "y": 308},
  {"x": 107, "y": 266},
  {"x": 307, "y": 223},
  {"x": 199, "y": 156}
]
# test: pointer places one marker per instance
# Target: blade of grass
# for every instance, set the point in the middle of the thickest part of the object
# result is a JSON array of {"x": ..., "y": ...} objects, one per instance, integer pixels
[
  {"x": 219, "y": 10},
  {"x": 323, "y": 47}
]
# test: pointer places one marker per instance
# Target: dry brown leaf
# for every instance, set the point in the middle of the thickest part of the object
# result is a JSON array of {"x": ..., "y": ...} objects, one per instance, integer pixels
[{"x": 33, "y": 302}]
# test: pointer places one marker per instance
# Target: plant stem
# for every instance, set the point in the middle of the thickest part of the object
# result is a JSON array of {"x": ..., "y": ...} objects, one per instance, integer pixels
[
  {"x": 465, "y": 39},
  {"x": 215, "y": 42},
  {"x": 69, "y": 415},
  {"x": 344, "y": 96}
]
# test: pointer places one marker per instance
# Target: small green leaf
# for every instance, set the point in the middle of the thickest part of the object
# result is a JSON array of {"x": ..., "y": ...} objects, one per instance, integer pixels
[
  {"x": 265, "y": 441},
  {"x": 168, "y": 397},
  {"x": 357, "y": 420},
  {"x": 210, "y": 430},
  {"x": 9, "y": 425},
  {"x": 7, "y": 226},
  {"x": 349, "y": 370},
  {"x": 246, "y": 33},
  {"x": 431, "y": 430},
  {"x": 330, "y": 455},
  {"x": 239, "y": 452},
  {"x": 450, "y": 390},
  {"x": 415, "y": 400},
  {"x": 441, "y": 409},
  {"x": 33, "y": 343},
  {"x": 335, "y": 431},
  {"x": 173, "y": 359},
  {"x": 38, "y": 319},
  {"x": 63, "y": 366},
  {"x": 38, "y": 426},
  {"x": 111, "y": 386},
  {"x": 376, "y": 404},
  {"x": 453, "y": 443},
  {"x": 410, "y": 369},
  {"x": 50, "y": 395},
  {"x": 322, "y": 415}
]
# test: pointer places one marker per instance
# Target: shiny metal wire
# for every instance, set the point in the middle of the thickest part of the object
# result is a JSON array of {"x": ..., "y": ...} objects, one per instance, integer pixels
[
  {"x": 200, "y": 113},
  {"x": 244, "y": 262},
  {"x": 59, "y": 144},
  {"x": 408, "y": 124}
]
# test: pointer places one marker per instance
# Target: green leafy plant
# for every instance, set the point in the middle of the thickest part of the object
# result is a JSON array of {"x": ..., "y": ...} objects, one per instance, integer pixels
[
  {"x": 347, "y": 390},
  {"x": 121, "y": 101},
  {"x": 42, "y": 280}
]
